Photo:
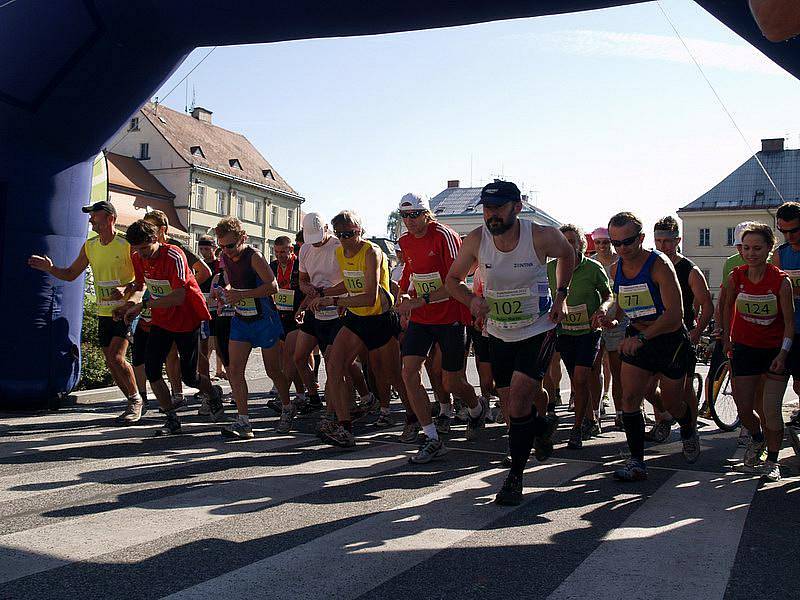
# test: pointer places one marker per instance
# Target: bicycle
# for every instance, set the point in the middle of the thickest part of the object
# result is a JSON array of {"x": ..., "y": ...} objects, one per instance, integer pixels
[{"x": 718, "y": 402}]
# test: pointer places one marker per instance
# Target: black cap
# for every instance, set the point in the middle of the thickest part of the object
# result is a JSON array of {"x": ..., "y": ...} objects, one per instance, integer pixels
[
  {"x": 499, "y": 192},
  {"x": 102, "y": 205}
]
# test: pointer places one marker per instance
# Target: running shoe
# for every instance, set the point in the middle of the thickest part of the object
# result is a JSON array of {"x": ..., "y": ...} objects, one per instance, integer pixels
[
  {"x": 618, "y": 423},
  {"x": 299, "y": 399},
  {"x": 205, "y": 406},
  {"x": 217, "y": 410},
  {"x": 238, "y": 431},
  {"x": 178, "y": 401},
  {"x": 597, "y": 428},
  {"x": 443, "y": 424},
  {"x": 605, "y": 404},
  {"x": 133, "y": 413},
  {"x": 506, "y": 461},
  {"x": 430, "y": 450},
  {"x": 543, "y": 444},
  {"x": 310, "y": 407},
  {"x": 691, "y": 448},
  {"x": 368, "y": 403},
  {"x": 660, "y": 432},
  {"x": 794, "y": 438},
  {"x": 171, "y": 427},
  {"x": 325, "y": 427},
  {"x": 275, "y": 405},
  {"x": 287, "y": 416},
  {"x": 273, "y": 393},
  {"x": 586, "y": 429},
  {"x": 511, "y": 492},
  {"x": 575, "y": 439},
  {"x": 497, "y": 414},
  {"x": 744, "y": 437},
  {"x": 752, "y": 456},
  {"x": 475, "y": 424},
  {"x": 384, "y": 420},
  {"x": 632, "y": 470},
  {"x": 410, "y": 433},
  {"x": 771, "y": 471},
  {"x": 340, "y": 438},
  {"x": 794, "y": 421}
]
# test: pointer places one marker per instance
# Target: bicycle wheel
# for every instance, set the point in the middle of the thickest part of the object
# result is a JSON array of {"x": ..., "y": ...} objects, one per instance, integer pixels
[{"x": 721, "y": 402}]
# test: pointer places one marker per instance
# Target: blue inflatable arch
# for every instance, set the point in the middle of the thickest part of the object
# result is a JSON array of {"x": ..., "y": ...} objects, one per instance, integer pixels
[{"x": 74, "y": 70}]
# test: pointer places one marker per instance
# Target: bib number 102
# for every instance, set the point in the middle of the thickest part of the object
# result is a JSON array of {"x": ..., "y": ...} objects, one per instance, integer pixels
[{"x": 508, "y": 307}]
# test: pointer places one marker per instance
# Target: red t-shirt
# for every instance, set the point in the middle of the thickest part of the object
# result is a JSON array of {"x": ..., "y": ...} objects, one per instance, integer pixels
[
  {"x": 428, "y": 260},
  {"x": 167, "y": 271},
  {"x": 757, "y": 315}
]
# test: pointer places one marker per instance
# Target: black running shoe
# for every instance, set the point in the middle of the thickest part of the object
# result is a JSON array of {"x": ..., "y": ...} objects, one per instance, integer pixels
[
  {"x": 543, "y": 444},
  {"x": 309, "y": 408},
  {"x": 511, "y": 492}
]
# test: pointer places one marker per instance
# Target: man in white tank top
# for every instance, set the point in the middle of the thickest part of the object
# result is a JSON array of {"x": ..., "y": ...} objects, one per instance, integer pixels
[{"x": 520, "y": 313}]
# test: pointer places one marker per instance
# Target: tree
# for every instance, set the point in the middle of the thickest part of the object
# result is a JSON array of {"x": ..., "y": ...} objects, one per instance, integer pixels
[{"x": 393, "y": 224}]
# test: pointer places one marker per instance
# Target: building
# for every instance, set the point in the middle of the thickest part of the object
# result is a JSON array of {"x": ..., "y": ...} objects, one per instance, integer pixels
[
  {"x": 458, "y": 207},
  {"x": 744, "y": 195},
  {"x": 211, "y": 172}
]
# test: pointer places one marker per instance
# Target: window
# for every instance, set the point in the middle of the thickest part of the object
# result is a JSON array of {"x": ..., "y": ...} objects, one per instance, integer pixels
[
  {"x": 144, "y": 151},
  {"x": 706, "y": 273},
  {"x": 196, "y": 239},
  {"x": 274, "y": 216},
  {"x": 729, "y": 238},
  {"x": 240, "y": 206},
  {"x": 221, "y": 204},
  {"x": 200, "y": 197},
  {"x": 705, "y": 237},
  {"x": 197, "y": 151},
  {"x": 258, "y": 214},
  {"x": 235, "y": 164},
  {"x": 256, "y": 244},
  {"x": 134, "y": 126},
  {"x": 290, "y": 219},
  {"x": 267, "y": 173}
]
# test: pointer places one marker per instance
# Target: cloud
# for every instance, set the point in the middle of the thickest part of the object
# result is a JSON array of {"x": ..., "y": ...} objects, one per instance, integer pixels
[{"x": 719, "y": 55}]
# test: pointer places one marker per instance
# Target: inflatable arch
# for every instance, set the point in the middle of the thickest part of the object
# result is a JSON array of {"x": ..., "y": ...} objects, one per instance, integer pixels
[{"x": 74, "y": 70}]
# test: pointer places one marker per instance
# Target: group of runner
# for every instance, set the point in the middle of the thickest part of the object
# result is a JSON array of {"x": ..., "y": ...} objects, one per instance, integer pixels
[{"x": 524, "y": 296}]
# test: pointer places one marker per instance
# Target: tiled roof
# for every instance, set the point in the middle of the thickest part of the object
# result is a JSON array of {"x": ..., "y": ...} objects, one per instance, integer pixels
[
  {"x": 220, "y": 147},
  {"x": 464, "y": 201},
  {"x": 129, "y": 175},
  {"x": 748, "y": 186}
]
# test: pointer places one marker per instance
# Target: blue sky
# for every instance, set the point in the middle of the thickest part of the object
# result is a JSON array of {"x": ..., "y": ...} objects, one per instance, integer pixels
[{"x": 592, "y": 113}]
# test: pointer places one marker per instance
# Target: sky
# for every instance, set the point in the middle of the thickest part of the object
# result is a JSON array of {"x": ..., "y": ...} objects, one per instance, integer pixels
[{"x": 589, "y": 113}]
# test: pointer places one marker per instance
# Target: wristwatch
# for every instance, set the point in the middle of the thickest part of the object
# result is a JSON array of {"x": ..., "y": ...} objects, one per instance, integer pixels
[
  {"x": 640, "y": 337},
  {"x": 426, "y": 297},
  {"x": 563, "y": 290}
]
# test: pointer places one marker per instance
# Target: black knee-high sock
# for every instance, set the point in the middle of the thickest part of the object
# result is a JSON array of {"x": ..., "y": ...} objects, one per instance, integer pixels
[
  {"x": 634, "y": 432},
  {"x": 687, "y": 423},
  {"x": 521, "y": 433}
]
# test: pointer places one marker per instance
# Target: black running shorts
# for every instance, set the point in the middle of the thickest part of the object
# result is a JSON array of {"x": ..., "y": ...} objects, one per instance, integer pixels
[
  {"x": 452, "y": 340},
  {"x": 324, "y": 331},
  {"x": 668, "y": 354},
  {"x": 108, "y": 328},
  {"x": 578, "y": 350},
  {"x": 530, "y": 357},
  {"x": 374, "y": 330},
  {"x": 747, "y": 361}
]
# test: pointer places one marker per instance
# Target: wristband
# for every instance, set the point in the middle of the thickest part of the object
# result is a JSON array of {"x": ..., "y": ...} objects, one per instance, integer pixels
[
  {"x": 563, "y": 290},
  {"x": 787, "y": 344}
]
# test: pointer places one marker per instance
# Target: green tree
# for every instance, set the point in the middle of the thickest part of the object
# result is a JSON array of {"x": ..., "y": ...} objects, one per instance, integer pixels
[{"x": 393, "y": 224}]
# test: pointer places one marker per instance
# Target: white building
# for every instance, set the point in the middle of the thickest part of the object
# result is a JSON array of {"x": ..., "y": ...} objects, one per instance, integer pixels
[
  {"x": 212, "y": 172},
  {"x": 744, "y": 195}
]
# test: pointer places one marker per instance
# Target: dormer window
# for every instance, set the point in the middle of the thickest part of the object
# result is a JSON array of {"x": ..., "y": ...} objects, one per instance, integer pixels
[
  {"x": 235, "y": 164},
  {"x": 267, "y": 173},
  {"x": 134, "y": 126},
  {"x": 197, "y": 151}
]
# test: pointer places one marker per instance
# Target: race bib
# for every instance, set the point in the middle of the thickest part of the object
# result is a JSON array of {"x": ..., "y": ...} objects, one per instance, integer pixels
[
  {"x": 104, "y": 290},
  {"x": 511, "y": 309},
  {"x": 284, "y": 300},
  {"x": 427, "y": 283},
  {"x": 246, "y": 307},
  {"x": 158, "y": 288},
  {"x": 758, "y": 309},
  {"x": 576, "y": 319},
  {"x": 354, "y": 282},
  {"x": 636, "y": 301},
  {"x": 794, "y": 277}
]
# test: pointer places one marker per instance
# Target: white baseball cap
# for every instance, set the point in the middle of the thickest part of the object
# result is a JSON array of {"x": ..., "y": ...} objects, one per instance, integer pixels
[
  {"x": 412, "y": 201},
  {"x": 313, "y": 228},
  {"x": 737, "y": 232}
]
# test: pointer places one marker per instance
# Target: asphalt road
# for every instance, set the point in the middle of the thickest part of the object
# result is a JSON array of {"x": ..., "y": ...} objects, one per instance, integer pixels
[{"x": 90, "y": 510}]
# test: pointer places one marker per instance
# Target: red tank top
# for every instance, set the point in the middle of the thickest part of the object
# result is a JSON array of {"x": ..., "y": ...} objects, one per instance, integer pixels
[{"x": 757, "y": 316}]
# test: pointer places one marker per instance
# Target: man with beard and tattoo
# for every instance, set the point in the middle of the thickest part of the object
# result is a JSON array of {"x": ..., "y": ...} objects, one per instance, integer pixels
[{"x": 521, "y": 315}]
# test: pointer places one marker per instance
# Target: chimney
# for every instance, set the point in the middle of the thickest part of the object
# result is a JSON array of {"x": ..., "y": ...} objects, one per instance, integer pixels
[
  {"x": 772, "y": 145},
  {"x": 453, "y": 183},
  {"x": 202, "y": 114}
]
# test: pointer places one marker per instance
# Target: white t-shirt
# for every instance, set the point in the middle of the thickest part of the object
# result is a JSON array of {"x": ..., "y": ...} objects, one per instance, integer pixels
[
  {"x": 323, "y": 271},
  {"x": 397, "y": 273}
]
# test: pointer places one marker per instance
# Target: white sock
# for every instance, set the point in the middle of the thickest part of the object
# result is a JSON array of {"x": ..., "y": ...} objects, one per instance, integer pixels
[
  {"x": 430, "y": 431},
  {"x": 244, "y": 419},
  {"x": 135, "y": 397},
  {"x": 445, "y": 409},
  {"x": 476, "y": 412}
]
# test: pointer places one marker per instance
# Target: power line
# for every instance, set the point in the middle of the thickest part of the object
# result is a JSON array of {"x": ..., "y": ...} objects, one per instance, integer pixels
[{"x": 719, "y": 99}]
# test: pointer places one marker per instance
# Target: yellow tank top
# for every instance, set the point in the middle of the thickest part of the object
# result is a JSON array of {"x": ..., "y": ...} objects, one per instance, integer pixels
[
  {"x": 111, "y": 268},
  {"x": 353, "y": 270}
]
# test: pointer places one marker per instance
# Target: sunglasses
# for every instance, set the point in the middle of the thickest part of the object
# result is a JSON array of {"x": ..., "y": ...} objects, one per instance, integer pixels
[
  {"x": 627, "y": 241},
  {"x": 412, "y": 214},
  {"x": 345, "y": 235},
  {"x": 789, "y": 231},
  {"x": 230, "y": 246}
]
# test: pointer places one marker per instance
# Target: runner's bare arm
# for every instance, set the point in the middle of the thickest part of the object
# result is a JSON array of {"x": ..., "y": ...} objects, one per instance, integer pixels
[
  {"x": 201, "y": 271},
  {"x": 549, "y": 242},
  {"x": 371, "y": 276},
  {"x": 71, "y": 273},
  {"x": 308, "y": 290},
  {"x": 465, "y": 261}
]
